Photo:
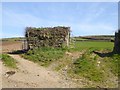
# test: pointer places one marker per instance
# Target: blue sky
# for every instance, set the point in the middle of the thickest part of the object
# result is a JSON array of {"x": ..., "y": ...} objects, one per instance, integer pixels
[{"x": 84, "y": 18}]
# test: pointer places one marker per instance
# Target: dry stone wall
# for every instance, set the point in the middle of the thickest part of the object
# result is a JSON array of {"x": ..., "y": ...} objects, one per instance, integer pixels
[
  {"x": 50, "y": 36},
  {"x": 117, "y": 42}
]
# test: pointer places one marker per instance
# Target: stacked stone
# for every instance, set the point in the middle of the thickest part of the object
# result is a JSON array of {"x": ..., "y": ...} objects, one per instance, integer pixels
[
  {"x": 40, "y": 37},
  {"x": 117, "y": 42}
]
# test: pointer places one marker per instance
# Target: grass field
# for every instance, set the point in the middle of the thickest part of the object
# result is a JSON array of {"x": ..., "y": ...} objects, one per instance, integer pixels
[
  {"x": 95, "y": 45},
  {"x": 95, "y": 37}
]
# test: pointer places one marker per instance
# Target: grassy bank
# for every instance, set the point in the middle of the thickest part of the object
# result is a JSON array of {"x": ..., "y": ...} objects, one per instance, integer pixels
[
  {"x": 8, "y": 61},
  {"x": 44, "y": 56},
  {"x": 94, "y": 67}
]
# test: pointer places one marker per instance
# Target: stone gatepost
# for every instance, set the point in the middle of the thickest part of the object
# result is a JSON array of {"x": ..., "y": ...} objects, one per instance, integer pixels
[{"x": 117, "y": 43}]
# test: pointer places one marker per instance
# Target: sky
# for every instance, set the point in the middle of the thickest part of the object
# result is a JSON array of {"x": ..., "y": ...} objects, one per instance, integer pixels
[{"x": 84, "y": 18}]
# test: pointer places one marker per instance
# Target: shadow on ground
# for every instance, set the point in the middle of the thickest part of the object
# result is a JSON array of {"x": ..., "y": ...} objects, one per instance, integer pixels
[
  {"x": 109, "y": 54},
  {"x": 18, "y": 52}
]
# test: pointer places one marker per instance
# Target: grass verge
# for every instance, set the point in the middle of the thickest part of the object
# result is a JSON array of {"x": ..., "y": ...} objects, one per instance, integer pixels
[
  {"x": 8, "y": 61},
  {"x": 45, "y": 55}
]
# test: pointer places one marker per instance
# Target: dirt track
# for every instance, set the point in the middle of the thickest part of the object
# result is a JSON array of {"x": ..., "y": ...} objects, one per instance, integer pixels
[{"x": 31, "y": 75}]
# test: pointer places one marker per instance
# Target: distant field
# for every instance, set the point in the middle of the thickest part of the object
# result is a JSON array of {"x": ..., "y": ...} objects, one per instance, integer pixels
[
  {"x": 95, "y": 38},
  {"x": 13, "y": 39},
  {"x": 9, "y": 46},
  {"x": 94, "y": 45}
]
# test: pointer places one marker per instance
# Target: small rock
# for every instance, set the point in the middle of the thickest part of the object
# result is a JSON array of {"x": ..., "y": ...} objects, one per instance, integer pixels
[
  {"x": 66, "y": 78},
  {"x": 10, "y": 72},
  {"x": 37, "y": 75},
  {"x": 98, "y": 87}
]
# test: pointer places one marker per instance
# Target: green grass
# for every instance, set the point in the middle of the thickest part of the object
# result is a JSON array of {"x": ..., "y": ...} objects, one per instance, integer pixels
[
  {"x": 44, "y": 56},
  {"x": 8, "y": 61},
  {"x": 113, "y": 64},
  {"x": 87, "y": 66},
  {"x": 96, "y": 45}
]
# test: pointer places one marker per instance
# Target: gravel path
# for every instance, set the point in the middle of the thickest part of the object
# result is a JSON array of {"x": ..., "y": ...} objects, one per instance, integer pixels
[{"x": 31, "y": 75}]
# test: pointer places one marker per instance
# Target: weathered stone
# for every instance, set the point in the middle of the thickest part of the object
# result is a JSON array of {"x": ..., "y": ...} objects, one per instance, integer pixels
[
  {"x": 117, "y": 43},
  {"x": 41, "y": 37}
]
